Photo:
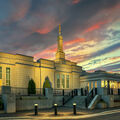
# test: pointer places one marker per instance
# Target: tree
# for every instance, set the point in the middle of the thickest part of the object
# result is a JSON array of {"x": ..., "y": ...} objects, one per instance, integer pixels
[{"x": 31, "y": 87}]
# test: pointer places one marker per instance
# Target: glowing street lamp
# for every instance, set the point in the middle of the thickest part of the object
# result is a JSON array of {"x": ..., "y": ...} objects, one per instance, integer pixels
[
  {"x": 36, "y": 109},
  {"x": 74, "y": 108},
  {"x": 55, "y": 109}
]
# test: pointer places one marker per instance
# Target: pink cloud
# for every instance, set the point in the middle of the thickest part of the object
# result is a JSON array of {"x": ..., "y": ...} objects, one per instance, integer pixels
[
  {"x": 75, "y": 1},
  {"x": 71, "y": 42},
  {"x": 50, "y": 51},
  {"x": 96, "y": 26}
]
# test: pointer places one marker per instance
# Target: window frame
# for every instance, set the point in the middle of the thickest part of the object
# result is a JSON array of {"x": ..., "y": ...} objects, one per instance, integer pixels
[
  {"x": 7, "y": 76},
  {"x": 58, "y": 81}
]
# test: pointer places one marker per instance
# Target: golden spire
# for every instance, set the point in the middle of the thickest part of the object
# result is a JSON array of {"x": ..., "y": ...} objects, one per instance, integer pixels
[
  {"x": 60, "y": 55},
  {"x": 59, "y": 29}
]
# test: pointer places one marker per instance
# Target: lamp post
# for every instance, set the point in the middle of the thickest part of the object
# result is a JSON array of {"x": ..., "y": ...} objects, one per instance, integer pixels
[
  {"x": 55, "y": 109},
  {"x": 74, "y": 108},
  {"x": 36, "y": 109}
]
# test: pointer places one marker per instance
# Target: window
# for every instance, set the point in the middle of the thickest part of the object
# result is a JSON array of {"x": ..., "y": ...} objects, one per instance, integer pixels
[
  {"x": 58, "y": 81},
  {"x": 91, "y": 85},
  {"x": 106, "y": 83},
  {"x": 63, "y": 81},
  {"x": 0, "y": 72},
  {"x": 7, "y": 76},
  {"x": 95, "y": 84},
  {"x": 67, "y": 81},
  {"x": 102, "y": 83},
  {"x": 88, "y": 86},
  {"x": 118, "y": 84}
]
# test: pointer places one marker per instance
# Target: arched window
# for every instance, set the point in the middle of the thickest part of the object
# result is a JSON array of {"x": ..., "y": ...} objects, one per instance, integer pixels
[{"x": 58, "y": 81}]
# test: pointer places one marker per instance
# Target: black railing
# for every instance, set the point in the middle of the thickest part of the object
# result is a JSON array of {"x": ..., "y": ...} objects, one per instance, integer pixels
[
  {"x": 66, "y": 93},
  {"x": 69, "y": 96},
  {"x": 84, "y": 92},
  {"x": 24, "y": 91},
  {"x": 113, "y": 91},
  {"x": 90, "y": 96},
  {"x": 63, "y": 92}
]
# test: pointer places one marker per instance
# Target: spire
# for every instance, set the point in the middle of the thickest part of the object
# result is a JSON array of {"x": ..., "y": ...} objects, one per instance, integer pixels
[
  {"x": 59, "y": 29},
  {"x": 60, "y": 54}
]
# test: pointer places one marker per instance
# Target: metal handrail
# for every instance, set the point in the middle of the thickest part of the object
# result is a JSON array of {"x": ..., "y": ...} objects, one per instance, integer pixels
[{"x": 90, "y": 96}]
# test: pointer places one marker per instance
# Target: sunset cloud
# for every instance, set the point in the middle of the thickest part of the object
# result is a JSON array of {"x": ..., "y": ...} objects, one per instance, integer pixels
[
  {"x": 75, "y": 1},
  {"x": 90, "y": 29},
  {"x": 96, "y": 26}
]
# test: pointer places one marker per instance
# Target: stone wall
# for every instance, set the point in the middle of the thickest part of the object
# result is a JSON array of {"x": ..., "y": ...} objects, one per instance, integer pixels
[
  {"x": 58, "y": 100},
  {"x": 27, "y": 103}
]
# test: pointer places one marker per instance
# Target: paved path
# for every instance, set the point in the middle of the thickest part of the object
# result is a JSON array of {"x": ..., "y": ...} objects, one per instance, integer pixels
[{"x": 105, "y": 115}]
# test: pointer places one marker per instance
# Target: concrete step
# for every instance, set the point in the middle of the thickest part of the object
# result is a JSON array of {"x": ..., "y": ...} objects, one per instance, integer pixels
[{"x": 79, "y": 100}]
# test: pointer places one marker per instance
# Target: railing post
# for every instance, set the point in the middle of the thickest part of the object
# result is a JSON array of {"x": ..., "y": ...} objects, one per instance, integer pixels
[
  {"x": 44, "y": 91},
  {"x": 63, "y": 100},
  {"x": 95, "y": 91},
  {"x": 86, "y": 105},
  {"x": 81, "y": 91},
  {"x": 75, "y": 92},
  {"x": 63, "y": 92},
  {"x": 92, "y": 93},
  {"x": 72, "y": 93},
  {"x": 111, "y": 91},
  {"x": 118, "y": 91}
]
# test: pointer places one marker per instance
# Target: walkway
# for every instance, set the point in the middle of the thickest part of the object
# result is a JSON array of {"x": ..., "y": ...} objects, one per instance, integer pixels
[{"x": 65, "y": 114}]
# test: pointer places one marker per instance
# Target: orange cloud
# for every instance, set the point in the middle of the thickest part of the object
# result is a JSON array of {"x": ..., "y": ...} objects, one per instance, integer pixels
[
  {"x": 47, "y": 53},
  {"x": 115, "y": 58},
  {"x": 43, "y": 31},
  {"x": 71, "y": 42},
  {"x": 75, "y": 1},
  {"x": 95, "y": 27}
]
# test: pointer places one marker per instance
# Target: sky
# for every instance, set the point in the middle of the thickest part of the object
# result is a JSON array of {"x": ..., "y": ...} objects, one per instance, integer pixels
[{"x": 90, "y": 29}]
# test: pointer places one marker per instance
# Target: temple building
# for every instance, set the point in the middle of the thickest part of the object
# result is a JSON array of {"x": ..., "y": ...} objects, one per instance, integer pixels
[{"x": 16, "y": 70}]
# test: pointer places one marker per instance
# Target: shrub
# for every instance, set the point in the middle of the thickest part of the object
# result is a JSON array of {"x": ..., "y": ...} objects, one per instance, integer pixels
[
  {"x": 31, "y": 87},
  {"x": 47, "y": 83}
]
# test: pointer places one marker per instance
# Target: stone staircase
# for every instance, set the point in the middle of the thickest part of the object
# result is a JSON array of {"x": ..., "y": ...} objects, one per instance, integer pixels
[{"x": 79, "y": 100}]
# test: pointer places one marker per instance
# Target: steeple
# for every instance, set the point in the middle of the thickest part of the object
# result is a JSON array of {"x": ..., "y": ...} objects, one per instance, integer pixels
[
  {"x": 60, "y": 55},
  {"x": 59, "y": 29}
]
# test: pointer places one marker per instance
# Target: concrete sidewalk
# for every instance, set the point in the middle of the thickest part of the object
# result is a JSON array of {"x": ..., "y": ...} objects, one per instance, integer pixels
[{"x": 63, "y": 114}]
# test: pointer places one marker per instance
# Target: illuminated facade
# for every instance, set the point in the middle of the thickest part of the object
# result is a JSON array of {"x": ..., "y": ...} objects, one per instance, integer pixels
[
  {"x": 16, "y": 70},
  {"x": 99, "y": 79}
]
